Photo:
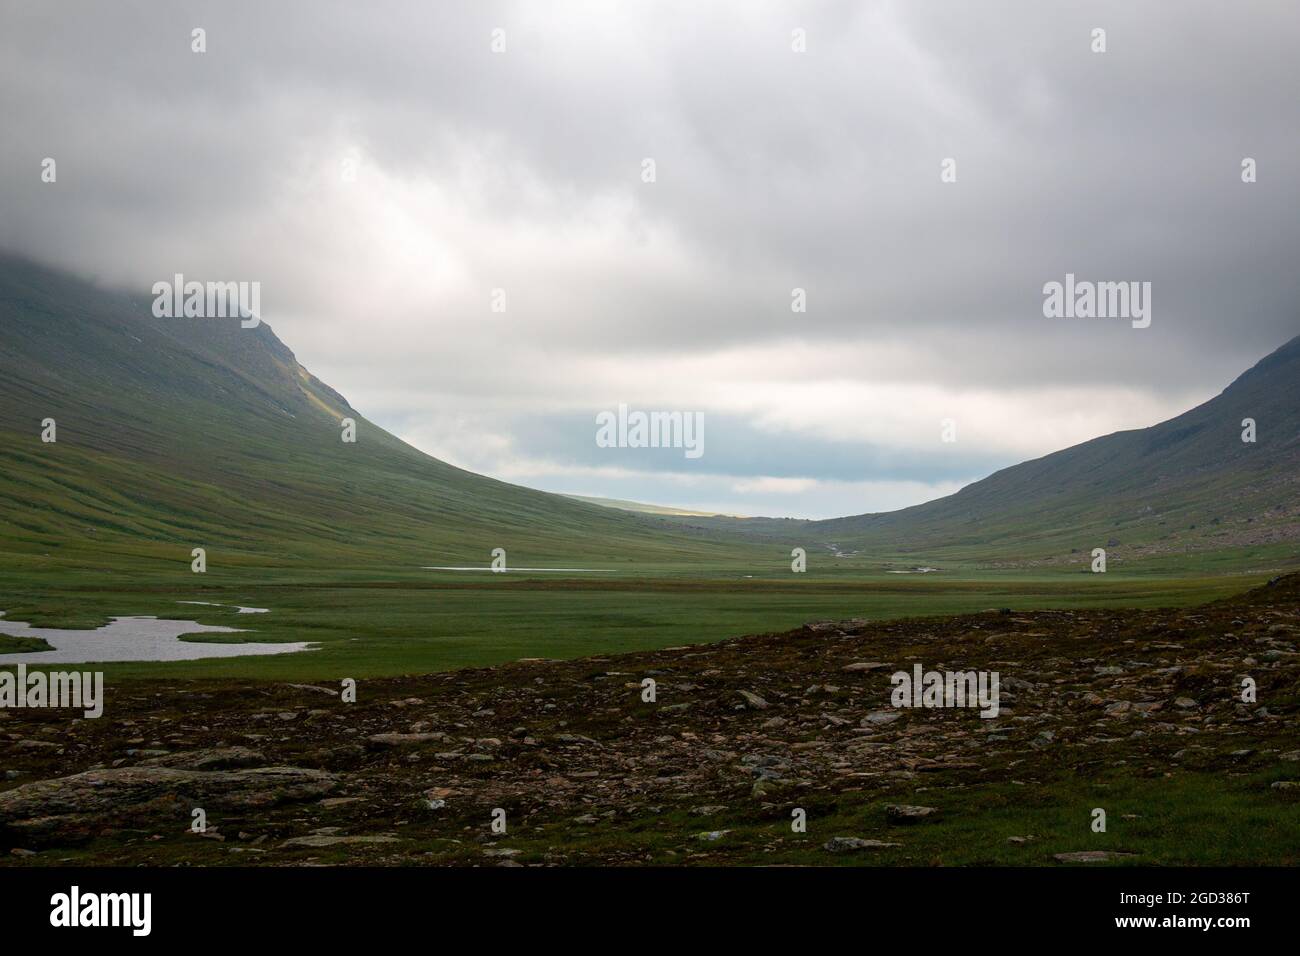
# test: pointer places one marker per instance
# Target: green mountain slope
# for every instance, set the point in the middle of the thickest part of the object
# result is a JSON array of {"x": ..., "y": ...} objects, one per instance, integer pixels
[{"x": 177, "y": 433}]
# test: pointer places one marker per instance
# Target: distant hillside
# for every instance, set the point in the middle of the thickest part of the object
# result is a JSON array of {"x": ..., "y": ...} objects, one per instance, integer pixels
[
  {"x": 174, "y": 433},
  {"x": 1186, "y": 484},
  {"x": 639, "y": 507}
]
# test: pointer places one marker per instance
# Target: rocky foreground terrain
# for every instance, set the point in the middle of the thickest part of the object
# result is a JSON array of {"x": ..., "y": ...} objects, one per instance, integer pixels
[{"x": 1135, "y": 712}]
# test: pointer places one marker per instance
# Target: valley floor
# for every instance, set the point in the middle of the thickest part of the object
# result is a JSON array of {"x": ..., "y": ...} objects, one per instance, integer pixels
[
  {"x": 367, "y": 624},
  {"x": 1136, "y": 712}
]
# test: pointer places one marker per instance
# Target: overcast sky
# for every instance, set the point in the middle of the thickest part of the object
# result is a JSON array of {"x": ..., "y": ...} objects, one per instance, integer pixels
[{"x": 522, "y": 170}]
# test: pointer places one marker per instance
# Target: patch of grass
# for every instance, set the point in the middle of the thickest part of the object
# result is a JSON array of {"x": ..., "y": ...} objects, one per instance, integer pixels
[{"x": 11, "y": 644}]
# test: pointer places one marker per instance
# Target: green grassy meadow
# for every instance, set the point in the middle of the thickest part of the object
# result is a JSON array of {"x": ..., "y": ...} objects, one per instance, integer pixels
[{"x": 371, "y": 622}]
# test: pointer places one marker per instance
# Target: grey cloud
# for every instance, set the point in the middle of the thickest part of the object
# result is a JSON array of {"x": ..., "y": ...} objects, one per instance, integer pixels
[{"x": 774, "y": 171}]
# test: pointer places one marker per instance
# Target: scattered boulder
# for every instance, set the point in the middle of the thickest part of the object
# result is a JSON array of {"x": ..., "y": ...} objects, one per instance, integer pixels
[
  {"x": 1092, "y": 856},
  {"x": 217, "y": 758},
  {"x": 405, "y": 740},
  {"x": 81, "y": 803},
  {"x": 711, "y": 835},
  {"x": 843, "y": 844},
  {"x": 909, "y": 813},
  {"x": 317, "y": 841},
  {"x": 882, "y": 717}
]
